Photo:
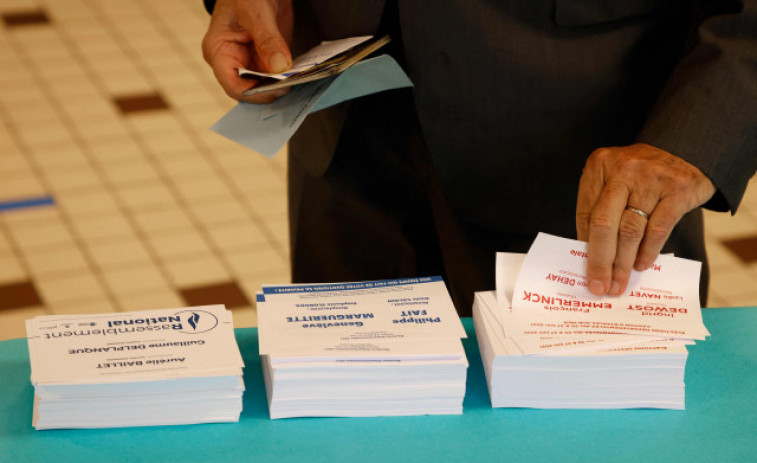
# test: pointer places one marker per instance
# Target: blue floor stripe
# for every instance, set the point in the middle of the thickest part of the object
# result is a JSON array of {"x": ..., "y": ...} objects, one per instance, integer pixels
[{"x": 26, "y": 203}]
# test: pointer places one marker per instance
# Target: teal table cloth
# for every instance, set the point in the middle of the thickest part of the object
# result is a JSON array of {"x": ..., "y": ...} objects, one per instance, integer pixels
[{"x": 718, "y": 425}]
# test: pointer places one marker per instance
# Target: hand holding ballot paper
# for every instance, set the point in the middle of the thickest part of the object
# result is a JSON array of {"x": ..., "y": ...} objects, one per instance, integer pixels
[{"x": 330, "y": 74}]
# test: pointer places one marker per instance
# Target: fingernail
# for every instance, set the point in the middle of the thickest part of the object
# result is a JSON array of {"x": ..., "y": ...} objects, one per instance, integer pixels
[
  {"x": 597, "y": 287},
  {"x": 278, "y": 63},
  {"x": 614, "y": 288}
]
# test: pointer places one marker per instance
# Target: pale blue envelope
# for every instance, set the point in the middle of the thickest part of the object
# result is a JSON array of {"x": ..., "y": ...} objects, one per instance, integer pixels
[{"x": 266, "y": 128}]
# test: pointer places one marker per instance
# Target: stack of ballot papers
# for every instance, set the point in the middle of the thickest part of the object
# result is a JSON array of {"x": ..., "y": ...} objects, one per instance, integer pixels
[
  {"x": 146, "y": 368},
  {"x": 547, "y": 342},
  {"x": 373, "y": 348}
]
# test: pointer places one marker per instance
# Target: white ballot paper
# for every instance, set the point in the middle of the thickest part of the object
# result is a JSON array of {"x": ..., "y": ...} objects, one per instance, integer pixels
[
  {"x": 360, "y": 314},
  {"x": 372, "y": 348},
  {"x": 315, "y": 56},
  {"x": 265, "y": 128},
  {"x": 171, "y": 366},
  {"x": 551, "y": 291}
]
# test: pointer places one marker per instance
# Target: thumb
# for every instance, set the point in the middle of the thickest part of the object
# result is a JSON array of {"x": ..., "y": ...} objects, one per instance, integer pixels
[{"x": 258, "y": 18}]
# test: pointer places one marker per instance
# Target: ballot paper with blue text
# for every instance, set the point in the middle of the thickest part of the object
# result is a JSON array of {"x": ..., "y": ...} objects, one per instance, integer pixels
[
  {"x": 401, "y": 317},
  {"x": 146, "y": 368},
  {"x": 370, "y": 348},
  {"x": 132, "y": 346}
]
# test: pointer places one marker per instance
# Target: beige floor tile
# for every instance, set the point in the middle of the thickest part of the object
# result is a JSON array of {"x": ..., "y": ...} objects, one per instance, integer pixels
[
  {"x": 135, "y": 280},
  {"x": 715, "y": 301},
  {"x": 155, "y": 123},
  {"x": 279, "y": 228},
  {"x": 747, "y": 299},
  {"x": 205, "y": 188},
  {"x": 241, "y": 235},
  {"x": 52, "y": 234},
  {"x": 109, "y": 149},
  {"x": 88, "y": 203},
  {"x": 168, "y": 144},
  {"x": 245, "y": 317},
  {"x": 721, "y": 258},
  {"x": 76, "y": 109},
  {"x": 129, "y": 171},
  {"x": 200, "y": 116},
  {"x": 731, "y": 283},
  {"x": 12, "y": 322},
  {"x": 266, "y": 182},
  {"x": 270, "y": 204},
  {"x": 119, "y": 83},
  {"x": 215, "y": 213},
  {"x": 64, "y": 261},
  {"x": 5, "y": 244},
  {"x": 91, "y": 129},
  {"x": 103, "y": 227},
  {"x": 719, "y": 225},
  {"x": 82, "y": 307},
  {"x": 190, "y": 164},
  {"x": 64, "y": 155},
  {"x": 253, "y": 284},
  {"x": 162, "y": 220},
  {"x": 58, "y": 292},
  {"x": 196, "y": 271},
  {"x": 31, "y": 217},
  {"x": 22, "y": 187},
  {"x": 257, "y": 263},
  {"x": 119, "y": 254},
  {"x": 144, "y": 196},
  {"x": 180, "y": 244},
  {"x": 72, "y": 178},
  {"x": 10, "y": 267},
  {"x": 162, "y": 299}
]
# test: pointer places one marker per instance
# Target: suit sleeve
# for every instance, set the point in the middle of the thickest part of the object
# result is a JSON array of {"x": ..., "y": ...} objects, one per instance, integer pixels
[{"x": 707, "y": 112}]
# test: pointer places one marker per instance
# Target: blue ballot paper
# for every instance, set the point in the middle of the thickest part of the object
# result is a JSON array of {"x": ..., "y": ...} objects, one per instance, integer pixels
[{"x": 265, "y": 128}]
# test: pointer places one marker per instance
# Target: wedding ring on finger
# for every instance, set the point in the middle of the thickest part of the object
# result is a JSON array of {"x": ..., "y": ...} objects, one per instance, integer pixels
[{"x": 638, "y": 211}]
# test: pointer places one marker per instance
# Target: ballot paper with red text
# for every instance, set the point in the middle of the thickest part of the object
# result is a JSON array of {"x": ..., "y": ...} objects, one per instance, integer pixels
[
  {"x": 547, "y": 338},
  {"x": 644, "y": 375},
  {"x": 551, "y": 294}
]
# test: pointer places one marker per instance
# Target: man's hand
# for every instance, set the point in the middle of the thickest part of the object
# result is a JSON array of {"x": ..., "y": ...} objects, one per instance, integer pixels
[
  {"x": 614, "y": 182},
  {"x": 251, "y": 34}
]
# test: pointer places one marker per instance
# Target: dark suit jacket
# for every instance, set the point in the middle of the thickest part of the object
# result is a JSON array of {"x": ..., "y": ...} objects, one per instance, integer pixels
[{"x": 514, "y": 95}]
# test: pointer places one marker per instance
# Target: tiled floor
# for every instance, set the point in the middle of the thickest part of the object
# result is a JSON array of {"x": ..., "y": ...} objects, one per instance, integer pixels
[{"x": 114, "y": 195}]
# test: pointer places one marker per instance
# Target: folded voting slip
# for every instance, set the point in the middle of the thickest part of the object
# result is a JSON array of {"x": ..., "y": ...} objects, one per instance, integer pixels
[
  {"x": 325, "y": 60},
  {"x": 373, "y": 348},
  {"x": 546, "y": 342},
  {"x": 145, "y": 368}
]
